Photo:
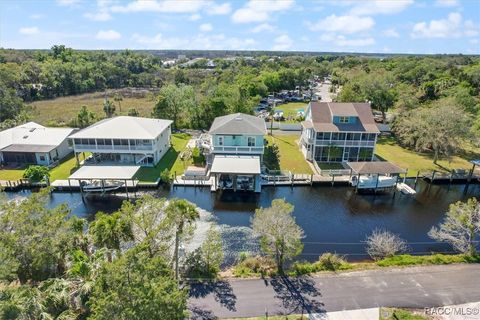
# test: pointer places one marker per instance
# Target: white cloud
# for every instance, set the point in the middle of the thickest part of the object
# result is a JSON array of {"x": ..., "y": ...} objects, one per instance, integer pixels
[
  {"x": 210, "y": 42},
  {"x": 342, "y": 24},
  {"x": 264, "y": 27},
  {"x": 380, "y": 7},
  {"x": 29, "y": 30},
  {"x": 446, "y": 3},
  {"x": 67, "y": 2},
  {"x": 108, "y": 35},
  {"x": 451, "y": 27},
  {"x": 169, "y": 6},
  {"x": 223, "y": 8},
  {"x": 99, "y": 16},
  {"x": 206, "y": 27},
  {"x": 283, "y": 42},
  {"x": 259, "y": 10},
  {"x": 391, "y": 33},
  {"x": 195, "y": 17},
  {"x": 474, "y": 41}
]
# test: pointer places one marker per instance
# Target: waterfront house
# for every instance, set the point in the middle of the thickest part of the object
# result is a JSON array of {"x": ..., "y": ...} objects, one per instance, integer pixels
[
  {"x": 339, "y": 132},
  {"x": 124, "y": 140},
  {"x": 32, "y": 143},
  {"x": 235, "y": 151}
]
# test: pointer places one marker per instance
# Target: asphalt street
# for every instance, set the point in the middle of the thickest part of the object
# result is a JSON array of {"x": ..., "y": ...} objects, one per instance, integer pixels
[{"x": 417, "y": 287}]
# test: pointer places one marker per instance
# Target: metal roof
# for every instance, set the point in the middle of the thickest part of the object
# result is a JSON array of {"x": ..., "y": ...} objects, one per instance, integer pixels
[
  {"x": 238, "y": 123},
  {"x": 124, "y": 127},
  {"x": 28, "y": 148},
  {"x": 105, "y": 173},
  {"x": 33, "y": 134},
  {"x": 236, "y": 164},
  {"x": 375, "y": 167}
]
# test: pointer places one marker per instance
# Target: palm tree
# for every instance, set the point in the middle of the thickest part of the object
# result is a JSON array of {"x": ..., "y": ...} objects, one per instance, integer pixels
[
  {"x": 180, "y": 213},
  {"x": 108, "y": 108},
  {"x": 109, "y": 230}
]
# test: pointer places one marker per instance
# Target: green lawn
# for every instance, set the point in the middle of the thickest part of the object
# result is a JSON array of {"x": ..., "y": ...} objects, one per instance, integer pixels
[
  {"x": 64, "y": 169},
  {"x": 11, "y": 174},
  {"x": 170, "y": 160},
  {"x": 290, "y": 109},
  {"x": 291, "y": 158},
  {"x": 400, "y": 314},
  {"x": 388, "y": 149}
]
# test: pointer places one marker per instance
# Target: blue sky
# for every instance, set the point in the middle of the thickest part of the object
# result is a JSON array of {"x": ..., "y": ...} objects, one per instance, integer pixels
[{"x": 390, "y": 26}]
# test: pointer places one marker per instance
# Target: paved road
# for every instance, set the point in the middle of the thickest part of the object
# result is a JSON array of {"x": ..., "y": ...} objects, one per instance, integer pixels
[{"x": 403, "y": 287}]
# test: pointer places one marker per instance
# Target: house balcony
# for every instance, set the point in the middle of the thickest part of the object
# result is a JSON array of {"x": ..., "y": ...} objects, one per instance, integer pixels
[
  {"x": 237, "y": 150},
  {"x": 110, "y": 148},
  {"x": 346, "y": 143}
]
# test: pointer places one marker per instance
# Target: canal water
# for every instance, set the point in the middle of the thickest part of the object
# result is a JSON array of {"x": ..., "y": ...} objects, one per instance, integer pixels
[{"x": 334, "y": 219}]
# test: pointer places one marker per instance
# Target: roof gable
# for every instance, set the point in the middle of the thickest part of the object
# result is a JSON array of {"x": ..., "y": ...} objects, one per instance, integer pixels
[{"x": 238, "y": 123}]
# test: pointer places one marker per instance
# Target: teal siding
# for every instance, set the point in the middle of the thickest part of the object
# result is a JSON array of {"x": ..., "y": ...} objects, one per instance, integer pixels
[
  {"x": 336, "y": 120},
  {"x": 237, "y": 141}
]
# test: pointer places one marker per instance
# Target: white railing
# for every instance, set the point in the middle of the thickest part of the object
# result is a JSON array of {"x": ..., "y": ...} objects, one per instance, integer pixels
[
  {"x": 228, "y": 149},
  {"x": 351, "y": 143},
  {"x": 90, "y": 147}
]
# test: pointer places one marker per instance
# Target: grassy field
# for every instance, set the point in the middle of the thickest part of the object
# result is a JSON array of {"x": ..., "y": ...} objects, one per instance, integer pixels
[
  {"x": 12, "y": 175},
  {"x": 401, "y": 314},
  {"x": 290, "y": 109},
  {"x": 62, "y": 110},
  {"x": 170, "y": 160},
  {"x": 388, "y": 149},
  {"x": 291, "y": 158}
]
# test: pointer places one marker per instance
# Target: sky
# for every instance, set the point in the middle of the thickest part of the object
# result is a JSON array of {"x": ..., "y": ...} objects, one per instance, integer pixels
[{"x": 381, "y": 26}]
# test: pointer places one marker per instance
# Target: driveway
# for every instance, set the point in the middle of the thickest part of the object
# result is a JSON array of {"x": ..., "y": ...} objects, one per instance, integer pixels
[{"x": 415, "y": 287}]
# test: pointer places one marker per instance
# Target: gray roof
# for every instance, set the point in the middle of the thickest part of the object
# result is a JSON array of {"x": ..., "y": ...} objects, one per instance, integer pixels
[
  {"x": 236, "y": 164},
  {"x": 124, "y": 127},
  {"x": 322, "y": 113},
  {"x": 28, "y": 148},
  {"x": 375, "y": 167},
  {"x": 238, "y": 123},
  {"x": 105, "y": 172}
]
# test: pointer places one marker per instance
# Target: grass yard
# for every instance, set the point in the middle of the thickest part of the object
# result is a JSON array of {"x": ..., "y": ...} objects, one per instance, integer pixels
[
  {"x": 60, "y": 111},
  {"x": 291, "y": 158},
  {"x": 388, "y": 149},
  {"x": 11, "y": 174},
  {"x": 290, "y": 109},
  {"x": 400, "y": 314},
  {"x": 170, "y": 160}
]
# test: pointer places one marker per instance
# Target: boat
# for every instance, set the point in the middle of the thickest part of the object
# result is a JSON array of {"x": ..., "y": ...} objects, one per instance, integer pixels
[
  {"x": 372, "y": 182},
  {"x": 102, "y": 185},
  {"x": 405, "y": 189}
]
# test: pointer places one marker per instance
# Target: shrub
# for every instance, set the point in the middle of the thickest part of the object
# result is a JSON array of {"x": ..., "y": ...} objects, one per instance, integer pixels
[
  {"x": 166, "y": 177},
  {"x": 36, "y": 173},
  {"x": 331, "y": 261},
  {"x": 271, "y": 157},
  {"x": 254, "y": 266},
  {"x": 382, "y": 244},
  {"x": 406, "y": 259}
]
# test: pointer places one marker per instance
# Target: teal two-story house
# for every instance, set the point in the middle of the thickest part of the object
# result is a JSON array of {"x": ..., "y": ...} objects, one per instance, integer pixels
[{"x": 236, "y": 152}]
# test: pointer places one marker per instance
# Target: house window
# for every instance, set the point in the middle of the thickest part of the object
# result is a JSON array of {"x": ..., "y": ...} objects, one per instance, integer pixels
[
  {"x": 251, "y": 141},
  {"x": 343, "y": 119},
  {"x": 220, "y": 141},
  {"x": 42, "y": 158}
]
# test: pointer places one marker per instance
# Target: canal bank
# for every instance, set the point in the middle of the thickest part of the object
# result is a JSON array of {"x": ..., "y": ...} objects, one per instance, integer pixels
[{"x": 335, "y": 219}]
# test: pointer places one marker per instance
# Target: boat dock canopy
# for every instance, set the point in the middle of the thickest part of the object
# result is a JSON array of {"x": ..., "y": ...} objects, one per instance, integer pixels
[
  {"x": 105, "y": 173},
  {"x": 375, "y": 167},
  {"x": 236, "y": 164}
]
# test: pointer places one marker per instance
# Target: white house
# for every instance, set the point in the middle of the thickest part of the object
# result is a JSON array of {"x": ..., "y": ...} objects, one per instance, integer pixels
[
  {"x": 32, "y": 143},
  {"x": 124, "y": 140}
]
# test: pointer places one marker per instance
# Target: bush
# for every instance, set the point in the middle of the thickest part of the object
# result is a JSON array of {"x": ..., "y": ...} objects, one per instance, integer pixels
[
  {"x": 271, "y": 157},
  {"x": 255, "y": 266},
  {"x": 198, "y": 157},
  {"x": 36, "y": 173},
  {"x": 383, "y": 244},
  {"x": 166, "y": 177},
  {"x": 331, "y": 261}
]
